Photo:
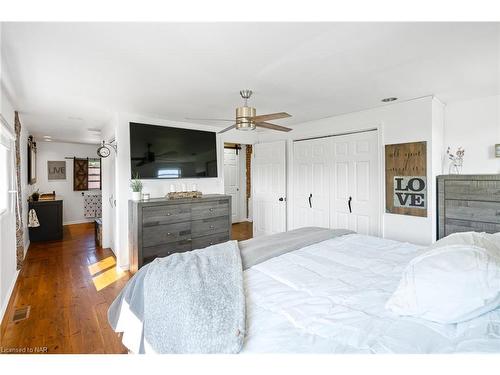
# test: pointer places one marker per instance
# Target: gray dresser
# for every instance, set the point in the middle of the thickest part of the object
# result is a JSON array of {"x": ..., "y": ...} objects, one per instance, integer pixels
[
  {"x": 468, "y": 203},
  {"x": 160, "y": 227}
]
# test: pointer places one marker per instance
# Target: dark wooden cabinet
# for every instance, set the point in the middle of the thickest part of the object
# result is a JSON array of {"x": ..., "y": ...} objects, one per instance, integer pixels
[
  {"x": 468, "y": 203},
  {"x": 160, "y": 227},
  {"x": 50, "y": 216}
]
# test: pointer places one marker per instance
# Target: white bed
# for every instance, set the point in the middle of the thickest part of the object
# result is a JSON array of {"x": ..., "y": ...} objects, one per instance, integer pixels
[{"x": 329, "y": 298}]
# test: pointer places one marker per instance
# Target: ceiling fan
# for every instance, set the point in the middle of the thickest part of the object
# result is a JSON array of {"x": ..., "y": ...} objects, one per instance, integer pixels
[{"x": 247, "y": 119}]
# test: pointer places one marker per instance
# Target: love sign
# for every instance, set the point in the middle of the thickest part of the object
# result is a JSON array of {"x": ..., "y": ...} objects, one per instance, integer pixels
[
  {"x": 56, "y": 170},
  {"x": 405, "y": 179},
  {"x": 410, "y": 191}
]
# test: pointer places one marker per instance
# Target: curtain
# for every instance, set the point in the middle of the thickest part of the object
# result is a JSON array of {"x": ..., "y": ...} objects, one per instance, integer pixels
[{"x": 19, "y": 205}]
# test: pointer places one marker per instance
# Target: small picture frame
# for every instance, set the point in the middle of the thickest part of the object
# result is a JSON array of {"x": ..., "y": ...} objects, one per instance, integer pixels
[
  {"x": 497, "y": 150},
  {"x": 31, "y": 160}
]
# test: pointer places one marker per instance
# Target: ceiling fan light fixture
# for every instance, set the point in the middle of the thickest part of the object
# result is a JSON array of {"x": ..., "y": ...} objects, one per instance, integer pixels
[
  {"x": 245, "y": 126},
  {"x": 243, "y": 118}
]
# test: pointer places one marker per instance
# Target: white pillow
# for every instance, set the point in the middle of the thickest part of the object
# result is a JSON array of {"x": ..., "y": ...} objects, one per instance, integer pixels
[
  {"x": 449, "y": 284},
  {"x": 487, "y": 241}
]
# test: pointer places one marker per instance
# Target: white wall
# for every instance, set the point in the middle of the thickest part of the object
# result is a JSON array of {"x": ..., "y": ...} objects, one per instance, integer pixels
[
  {"x": 72, "y": 200},
  {"x": 411, "y": 121},
  {"x": 8, "y": 272},
  {"x": 119, "y": 126},
  {"x": 108, "y": 166},
  {"x": 475, "y": 126}
]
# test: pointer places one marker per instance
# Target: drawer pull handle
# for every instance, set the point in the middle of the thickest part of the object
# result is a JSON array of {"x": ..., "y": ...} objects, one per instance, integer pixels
[{"x": 169, "y": 213}]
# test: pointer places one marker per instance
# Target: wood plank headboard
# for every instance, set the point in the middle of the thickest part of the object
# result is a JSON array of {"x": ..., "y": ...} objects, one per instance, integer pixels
[{"x": 468, "y": 203}]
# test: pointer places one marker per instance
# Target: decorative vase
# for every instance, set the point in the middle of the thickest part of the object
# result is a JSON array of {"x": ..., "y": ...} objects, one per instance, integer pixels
[{"x": 136, "y": 195}]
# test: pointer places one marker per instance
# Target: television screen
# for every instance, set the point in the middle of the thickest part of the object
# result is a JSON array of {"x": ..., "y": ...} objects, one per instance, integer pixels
[{"x": 165, "y": 152}]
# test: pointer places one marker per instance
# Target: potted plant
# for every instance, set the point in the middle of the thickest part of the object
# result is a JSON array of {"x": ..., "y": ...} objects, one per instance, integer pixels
[
  {"x": 457, "y": 160},
  {"x": 35, "y": 195},
  {"x": 136, "y": 185}
]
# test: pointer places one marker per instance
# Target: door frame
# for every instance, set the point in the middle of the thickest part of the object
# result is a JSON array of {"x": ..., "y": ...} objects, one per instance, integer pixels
[
  {"x": 239, "y": 216},
  {"x": 286, "y": 186},
  {"x": 379, "y": 128}
]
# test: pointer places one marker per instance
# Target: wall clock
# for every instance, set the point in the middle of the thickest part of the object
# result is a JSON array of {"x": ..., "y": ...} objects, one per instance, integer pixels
[{"x": 104, "y": 150}]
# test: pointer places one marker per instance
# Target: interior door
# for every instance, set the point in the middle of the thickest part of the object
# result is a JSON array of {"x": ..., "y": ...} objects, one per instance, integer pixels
[
  {"x": 311, "y": 183},
  {"x": 269, "y": 188},
  {"x": 232, "y": 181},
  {"x": 355, "y": 183}
]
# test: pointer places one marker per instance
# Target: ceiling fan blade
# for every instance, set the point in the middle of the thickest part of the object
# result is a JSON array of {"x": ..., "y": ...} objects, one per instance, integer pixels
[
  {"x": 227, "y": 129},
  {"x": 268, "y": 125},
  {"x": 208, "y": 119},
  {"x": 271, "y": 116}
]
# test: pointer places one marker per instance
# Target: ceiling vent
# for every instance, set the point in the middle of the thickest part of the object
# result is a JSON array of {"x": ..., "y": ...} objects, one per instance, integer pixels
[{"x": 21, "y": 313}]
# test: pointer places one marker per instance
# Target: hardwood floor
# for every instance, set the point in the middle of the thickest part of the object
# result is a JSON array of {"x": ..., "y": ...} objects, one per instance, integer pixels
[
  {"x": 242, "y": 231},
  {"x": 69, "y": 285},
  {"x": 68, "y": 314}
]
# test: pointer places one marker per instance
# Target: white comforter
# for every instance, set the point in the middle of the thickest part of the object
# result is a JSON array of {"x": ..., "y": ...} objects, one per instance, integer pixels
[{"x": 329, "y": 298}]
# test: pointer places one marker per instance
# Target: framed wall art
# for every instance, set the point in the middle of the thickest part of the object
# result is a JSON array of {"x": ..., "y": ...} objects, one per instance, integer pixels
[
  {"x": 56, "y": 170},
  {"x": 406, "y": 179},
  {"x": 31, "y": 160}
]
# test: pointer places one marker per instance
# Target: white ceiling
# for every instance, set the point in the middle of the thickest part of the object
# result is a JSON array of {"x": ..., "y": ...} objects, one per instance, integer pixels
[{"x": 65, "y": 78}]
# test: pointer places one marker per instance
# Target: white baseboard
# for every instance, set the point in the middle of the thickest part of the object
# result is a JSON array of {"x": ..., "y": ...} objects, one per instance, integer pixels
[
  {"x": 8, "y": 296},
  {"x": 78, "y": 222},
  {"x": 123, "y": 267},
  {"x": 245, "y": 220}
]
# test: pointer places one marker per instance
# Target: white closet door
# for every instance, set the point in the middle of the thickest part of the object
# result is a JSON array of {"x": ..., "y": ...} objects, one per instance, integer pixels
[
  {"x": 311, "y": 183},
  {"x": 355, "y": 184},
  {"x": 269, "y": 188},
  {"x": 232, "y": 181}
]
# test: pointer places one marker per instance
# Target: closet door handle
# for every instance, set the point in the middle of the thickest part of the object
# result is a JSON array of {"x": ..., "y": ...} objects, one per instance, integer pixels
[
  {"x": 310, "y": 202},
  {"x": 349, "y": 204}
]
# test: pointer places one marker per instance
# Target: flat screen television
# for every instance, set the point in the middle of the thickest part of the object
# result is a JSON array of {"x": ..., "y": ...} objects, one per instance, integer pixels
[{"x": 168, "y": 153}]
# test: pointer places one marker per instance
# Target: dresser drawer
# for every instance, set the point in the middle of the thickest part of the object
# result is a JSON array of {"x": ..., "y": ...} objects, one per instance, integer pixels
[
  {"x": 151, "y": 253},
  {"x": 209, "y": 226},
  {"x": 210, "y": 209},
  {"x": 473, "y": 210},
  {"x": 156, "y": 215},
  {"x": 201, "y": 242},
  {"x": 165, "y": 233},
  {"x": 473, "y": 190}
]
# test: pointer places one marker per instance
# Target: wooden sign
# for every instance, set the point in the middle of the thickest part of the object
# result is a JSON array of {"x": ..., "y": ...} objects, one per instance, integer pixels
[
  {"x": 406, "y": 179},
  {"x": 56, "y": 170}
]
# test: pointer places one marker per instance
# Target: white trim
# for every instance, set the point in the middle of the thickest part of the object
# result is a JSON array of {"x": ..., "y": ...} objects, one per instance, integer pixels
[
  {"x": 78, "y": 221},
  {"x": 6, "y": 128},
  {"x": 8, "y": 296},
  {"x": 26, "y": 246},
  {"x": 123, "y": 267}
]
